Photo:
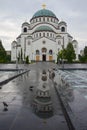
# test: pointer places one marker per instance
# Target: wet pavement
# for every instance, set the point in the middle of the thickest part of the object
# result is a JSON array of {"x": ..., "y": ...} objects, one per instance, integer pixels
[
  {"x": 20, "y": 114},
  {"x": 73, "y": 88},
  {"x": 5, "y": 75},
  {"x": 20, "y": 99}
]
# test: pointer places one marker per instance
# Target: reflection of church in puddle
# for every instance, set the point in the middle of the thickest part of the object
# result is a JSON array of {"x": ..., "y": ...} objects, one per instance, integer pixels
[{"x": 42, "y": 104}]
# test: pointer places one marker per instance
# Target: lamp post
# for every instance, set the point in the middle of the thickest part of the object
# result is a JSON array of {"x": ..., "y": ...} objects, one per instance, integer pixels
[
  {"x": 62, "y": 53},
  {"x": 16, "y": 56},
  {"x": 32, "y": 55},
  {"x": 24, "y": 57}
]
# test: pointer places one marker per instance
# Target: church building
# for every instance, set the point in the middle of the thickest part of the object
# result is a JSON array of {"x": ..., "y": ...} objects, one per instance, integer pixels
[{"x": 42, "y": 38}]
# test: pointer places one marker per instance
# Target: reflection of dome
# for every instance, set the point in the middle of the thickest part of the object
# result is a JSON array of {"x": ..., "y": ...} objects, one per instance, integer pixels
[
  {"x": 42, "y": 103},
  {"x": 44, "y": 12},
  {"x": 44, "y": 28}
]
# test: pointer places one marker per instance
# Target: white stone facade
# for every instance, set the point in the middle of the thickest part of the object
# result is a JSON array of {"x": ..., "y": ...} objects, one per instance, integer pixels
[{"x": 42, "y": 38}]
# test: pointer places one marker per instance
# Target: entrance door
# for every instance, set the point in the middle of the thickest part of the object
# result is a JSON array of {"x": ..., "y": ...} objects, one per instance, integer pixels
[
  {"x": 37, "y": 58},
  {"x": 50, "y": 58},
  {"x": 43, "y": 57}
]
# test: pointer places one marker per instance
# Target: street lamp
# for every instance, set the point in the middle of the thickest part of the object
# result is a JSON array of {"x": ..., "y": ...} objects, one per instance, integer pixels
[
  {"x": 62, "y": 53},
  {"x": 24, "y": 57},
  {"x": 32, "y": 55},
  {"x": 16, "y": 55}
]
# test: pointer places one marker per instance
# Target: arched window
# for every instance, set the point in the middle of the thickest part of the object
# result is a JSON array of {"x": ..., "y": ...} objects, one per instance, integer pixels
[
  {"x": 59, "y": 42},
  {"x": 75, "y": 46},
  {"x": 29, "y": 42},
  {"x": 40, "y": 34},
  {"x": 63, "y": 29},
  {"x": 39, "y": 19},
  {"x": 37, "y": 52},
  {"x": 50, "y": 52},
  {"x": 48, "y": 19},
  {"x": 44, "y": 50},
  {"x": 13, "y": 47},
  {"x": 36, "y": 19},
  {"x": 36, "y": 34},
  {"x": 54, "y": 20},
  {"x": 25, "y": 29},
  {"x": 43, "y": 34},
  {"x": 58, "y": 49},
  {"x": 50, "y": 34},
  {"x": 47, "y": 34},
  {"x": 43, "y": 18}
]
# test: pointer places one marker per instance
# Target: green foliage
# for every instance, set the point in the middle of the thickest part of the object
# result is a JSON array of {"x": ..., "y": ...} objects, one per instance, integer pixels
[
  {"x": 83, "y": 58},
  {"x": 8, "y": 57},
  {"x": 27, "y": 60},
  {"x": 3, "y": 56},
  {"x": 67, "y": 54},
  {"x": 61, "y": 54},
  {"x": 70, "y": 53},
  {"x": 85, "y": 54},
  {"x": 85, "y": 51}
]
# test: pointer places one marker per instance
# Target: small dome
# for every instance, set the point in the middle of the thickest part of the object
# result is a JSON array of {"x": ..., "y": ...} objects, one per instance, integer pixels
[
  {"x": 58, "y": 36},
  {"x": 29, "y": 36},
  {"x": 62, "y": 23},
  {"x": 25, "y": 24},
  {"x": 44, "y": 28},
  {"x": 44, "y": 12},
  {"x": 74, "y": 41}
]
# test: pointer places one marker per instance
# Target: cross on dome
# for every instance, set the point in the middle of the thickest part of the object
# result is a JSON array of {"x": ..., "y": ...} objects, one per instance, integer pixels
[{"x": 44, "y": 6}]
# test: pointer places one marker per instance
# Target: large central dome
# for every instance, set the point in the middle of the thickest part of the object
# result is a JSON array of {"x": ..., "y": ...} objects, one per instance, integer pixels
[{"x": 44, "y": 12}]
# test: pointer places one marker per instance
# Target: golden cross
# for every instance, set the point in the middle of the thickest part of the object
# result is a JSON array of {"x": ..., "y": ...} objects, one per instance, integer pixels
[{"x": 44, "y": 6}]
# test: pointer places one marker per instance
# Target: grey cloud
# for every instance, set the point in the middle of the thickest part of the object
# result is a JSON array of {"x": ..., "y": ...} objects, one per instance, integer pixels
[{"x": 14, "y": 12}]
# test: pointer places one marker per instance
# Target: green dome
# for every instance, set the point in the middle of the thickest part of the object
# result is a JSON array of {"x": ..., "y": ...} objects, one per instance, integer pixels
[
  {"x": 44, "y": 12},
  {"x": 44, "y": 28}
]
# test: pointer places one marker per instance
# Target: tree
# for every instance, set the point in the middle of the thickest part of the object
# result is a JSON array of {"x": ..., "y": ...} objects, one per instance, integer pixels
[
  {"x": 83, "y": 58},
  {"x": 61, "y": 55},
  {"x": 27, "y": 60},
  {"x": 70, "y": 53},
  {"x": 8, "y": 58},
  {"x": 85, "y": 51},
  {"x": 3, "y": 55}
]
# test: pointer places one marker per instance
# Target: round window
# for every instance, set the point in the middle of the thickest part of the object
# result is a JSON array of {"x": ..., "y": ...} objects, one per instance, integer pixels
[{"x": 44, "y": 42}]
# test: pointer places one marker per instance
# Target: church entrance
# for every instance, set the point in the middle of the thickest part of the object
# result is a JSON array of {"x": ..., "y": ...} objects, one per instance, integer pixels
[
  {"x": 44, "y": 57},
  {"x": 44, "y": 50}
]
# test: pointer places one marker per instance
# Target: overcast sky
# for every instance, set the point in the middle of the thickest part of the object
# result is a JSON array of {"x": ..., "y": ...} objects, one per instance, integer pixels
[{"x": 14, "y": 12}]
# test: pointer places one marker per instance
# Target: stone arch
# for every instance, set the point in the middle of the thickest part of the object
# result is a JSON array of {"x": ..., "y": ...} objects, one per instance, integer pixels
[
  {"x": 37, "y": 52},
  {"x": 50, "y": 52},
  {"x": 44, "y": 50}
]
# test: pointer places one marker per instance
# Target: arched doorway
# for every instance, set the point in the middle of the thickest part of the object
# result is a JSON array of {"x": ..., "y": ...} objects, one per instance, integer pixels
[
  {"x": 44, "y": 57},
  {"x": 44, "y": 50},
  {"x": 50, "y": 55},
  {"x": 37, "y": 55}
]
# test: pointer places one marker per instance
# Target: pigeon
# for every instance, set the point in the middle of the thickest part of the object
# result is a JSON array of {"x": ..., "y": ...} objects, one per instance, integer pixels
[{"x": 5, "y": 104}]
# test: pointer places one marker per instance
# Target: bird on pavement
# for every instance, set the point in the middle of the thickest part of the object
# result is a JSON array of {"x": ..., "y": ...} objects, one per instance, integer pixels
[{"x": 5, "y": 106}]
